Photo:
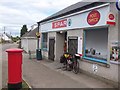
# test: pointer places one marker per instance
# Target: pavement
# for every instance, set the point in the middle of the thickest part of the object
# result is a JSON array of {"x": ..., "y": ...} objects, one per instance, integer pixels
[{"x": 47, "y": 74}]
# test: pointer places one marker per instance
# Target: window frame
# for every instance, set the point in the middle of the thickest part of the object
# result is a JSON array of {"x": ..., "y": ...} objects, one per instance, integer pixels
[
  {"x": 91, "y": 58},
  {"x": 44, "y": 47}
]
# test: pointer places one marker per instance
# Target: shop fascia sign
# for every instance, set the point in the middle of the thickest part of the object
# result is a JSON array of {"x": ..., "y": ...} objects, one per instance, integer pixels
[
  {"x": 93, "y": 17},
  {"x": 61, "y": 23},
  {"x": 111, "y": 18}
]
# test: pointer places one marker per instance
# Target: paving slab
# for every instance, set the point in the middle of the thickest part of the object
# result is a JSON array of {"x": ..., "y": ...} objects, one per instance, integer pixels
[{"x": 47, "y": 74}]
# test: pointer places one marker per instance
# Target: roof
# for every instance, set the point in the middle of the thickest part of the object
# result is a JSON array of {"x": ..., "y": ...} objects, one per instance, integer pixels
[
  {"x": 73, "y": 9},
  {"x": 31, "y": 33},
  {"x": 6, "y": 37}
]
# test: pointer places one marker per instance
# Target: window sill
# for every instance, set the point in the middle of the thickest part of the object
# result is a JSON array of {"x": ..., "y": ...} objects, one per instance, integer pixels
[
  {"x": 44, "y": 49},
  {"x": 102, "y": 63},
  {"x": 115, "y": 62}
]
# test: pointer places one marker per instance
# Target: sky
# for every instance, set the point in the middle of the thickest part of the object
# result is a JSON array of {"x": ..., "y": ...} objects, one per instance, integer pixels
[{"x": 15, "y": 13}]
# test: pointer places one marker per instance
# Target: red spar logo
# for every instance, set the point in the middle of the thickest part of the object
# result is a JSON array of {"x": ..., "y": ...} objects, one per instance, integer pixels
[{"x": 59, "y": 24}]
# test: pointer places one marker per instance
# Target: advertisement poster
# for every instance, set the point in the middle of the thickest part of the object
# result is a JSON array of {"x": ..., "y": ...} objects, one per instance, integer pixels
[{"x": 115, "y": 51}]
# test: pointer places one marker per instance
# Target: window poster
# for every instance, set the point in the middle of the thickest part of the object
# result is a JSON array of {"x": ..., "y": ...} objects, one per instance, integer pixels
[{"x": 115, "y": 51}]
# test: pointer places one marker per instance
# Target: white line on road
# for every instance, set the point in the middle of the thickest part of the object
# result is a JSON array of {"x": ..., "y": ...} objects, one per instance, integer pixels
[{"x": 0, "y": 66}]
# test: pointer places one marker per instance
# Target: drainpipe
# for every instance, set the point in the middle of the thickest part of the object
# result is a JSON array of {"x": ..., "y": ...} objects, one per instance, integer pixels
[
  {"x": 38, "y": 50},
  {"x": 38, "y": 38},
  {"x": 27, "y": 45}
]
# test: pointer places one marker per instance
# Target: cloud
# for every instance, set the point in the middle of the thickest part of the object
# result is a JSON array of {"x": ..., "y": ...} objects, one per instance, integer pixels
[{"x": 18, "y": 12}]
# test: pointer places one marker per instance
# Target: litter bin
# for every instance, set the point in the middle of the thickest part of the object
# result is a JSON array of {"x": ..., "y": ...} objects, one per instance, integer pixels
[{"x": 38, "y": 54}]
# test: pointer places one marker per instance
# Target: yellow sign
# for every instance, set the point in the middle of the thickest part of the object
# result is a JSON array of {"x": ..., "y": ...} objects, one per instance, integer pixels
[{"x": 38, "y": 34}]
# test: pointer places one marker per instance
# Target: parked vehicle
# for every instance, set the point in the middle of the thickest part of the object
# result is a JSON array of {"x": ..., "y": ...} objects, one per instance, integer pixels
[
  {"x": 77, "y": 58},
  {"x": 70, "y": 62}
]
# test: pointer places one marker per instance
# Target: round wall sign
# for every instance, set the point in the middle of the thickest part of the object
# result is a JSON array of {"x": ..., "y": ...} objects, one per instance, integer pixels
[
  {"x": 111, "y": 17},
  {"x": 118, "y": 4},
  {"x": 93, "y": 17},
  {"x": 69, "y": 22}
]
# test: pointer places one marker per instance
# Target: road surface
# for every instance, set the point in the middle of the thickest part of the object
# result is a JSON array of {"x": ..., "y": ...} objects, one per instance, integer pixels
[
  {"x": 4, "y": 61},
  {"x": 0, "y": 66}
]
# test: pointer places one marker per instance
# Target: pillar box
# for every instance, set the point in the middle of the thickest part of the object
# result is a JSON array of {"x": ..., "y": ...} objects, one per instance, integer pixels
[{"x": 14, "y": 68}]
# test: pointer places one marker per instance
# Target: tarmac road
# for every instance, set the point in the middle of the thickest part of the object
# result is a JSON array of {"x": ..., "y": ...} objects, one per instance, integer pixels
[
  {"x": 4, "y": 61},
  {"x": 0, "y": 66}
]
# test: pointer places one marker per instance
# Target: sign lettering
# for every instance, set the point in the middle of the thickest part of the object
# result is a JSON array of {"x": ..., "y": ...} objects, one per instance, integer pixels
[{"x": 59, "y": 24}]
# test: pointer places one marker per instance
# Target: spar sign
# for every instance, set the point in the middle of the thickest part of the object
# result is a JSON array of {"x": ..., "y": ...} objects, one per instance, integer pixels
[
  {"x": 59, "y": 24},
  {"x": 111, "y": 19}
]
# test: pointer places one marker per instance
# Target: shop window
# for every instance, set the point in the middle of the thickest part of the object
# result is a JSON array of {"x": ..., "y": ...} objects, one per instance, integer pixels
[
  {"x": 95, "y": 44},
  {"x": 44, "y": 41}
]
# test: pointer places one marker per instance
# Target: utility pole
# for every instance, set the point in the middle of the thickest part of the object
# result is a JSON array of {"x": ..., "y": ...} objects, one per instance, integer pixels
[
  {"x": 4, "y": 29},
  {"x": 4, "y": 32},
  {"x": 38, "y": 50},
  {"x": 10, "y": 33}
]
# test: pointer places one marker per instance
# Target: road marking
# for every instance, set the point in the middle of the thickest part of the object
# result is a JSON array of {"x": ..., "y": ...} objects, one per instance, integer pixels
[{"x": 0, "y": 66}]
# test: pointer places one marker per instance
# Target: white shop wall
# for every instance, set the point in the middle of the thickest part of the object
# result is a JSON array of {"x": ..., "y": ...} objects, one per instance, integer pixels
[
  {"x": 97, "y": 39},
  {"x": 32, "y": 44},
  {"x": 78, "y": 21},
  {"x": 24, "y": 44}
]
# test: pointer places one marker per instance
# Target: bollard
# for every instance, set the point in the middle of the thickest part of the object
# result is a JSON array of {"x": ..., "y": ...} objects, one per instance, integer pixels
[
  {"x": 14, "y": 68},
  {"x": 30, "y": 57}
]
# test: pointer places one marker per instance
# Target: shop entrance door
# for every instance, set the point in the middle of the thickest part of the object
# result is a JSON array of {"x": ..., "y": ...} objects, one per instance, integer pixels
[
  {"x": 72, "y": 45},
  {"x": 51, "y": 49}
]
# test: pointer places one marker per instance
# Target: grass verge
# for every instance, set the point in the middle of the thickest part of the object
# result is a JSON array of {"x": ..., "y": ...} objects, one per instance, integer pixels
[{"x": 25, "y": 86}]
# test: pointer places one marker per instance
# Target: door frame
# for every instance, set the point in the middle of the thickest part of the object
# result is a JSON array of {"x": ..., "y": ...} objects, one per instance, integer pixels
[
  {"x": 53, "y": 38},
  {"x": 73, "y": 37}
]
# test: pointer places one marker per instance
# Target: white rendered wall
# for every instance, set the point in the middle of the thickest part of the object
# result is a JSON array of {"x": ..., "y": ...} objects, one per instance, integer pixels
[
  {"x": 32, "y": 44},
  {"x": 24, "y": 44}
]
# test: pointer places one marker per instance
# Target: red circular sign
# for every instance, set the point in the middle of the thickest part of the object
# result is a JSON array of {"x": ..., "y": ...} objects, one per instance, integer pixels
[
  {"x": 111, "y": 17},
  {"x": 93, "y": 17}
]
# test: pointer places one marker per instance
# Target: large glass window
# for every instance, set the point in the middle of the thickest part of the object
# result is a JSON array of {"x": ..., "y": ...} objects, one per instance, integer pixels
[
  {"x": 44, "y": 41},
  {"x": 95, "y": 44}
]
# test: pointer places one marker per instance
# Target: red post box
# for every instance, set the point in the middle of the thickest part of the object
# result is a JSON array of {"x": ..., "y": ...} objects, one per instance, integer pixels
[{"x": 14, "y": 68}]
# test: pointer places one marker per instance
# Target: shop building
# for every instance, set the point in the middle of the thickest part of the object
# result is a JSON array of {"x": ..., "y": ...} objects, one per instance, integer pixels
[
  {"x": 88, "y": 28},
  {"x": 29, "y": 41}
]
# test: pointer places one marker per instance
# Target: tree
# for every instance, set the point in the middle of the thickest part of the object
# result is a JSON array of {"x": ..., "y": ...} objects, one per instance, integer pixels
[
  {"x": 23, "y": 30},
  {"x": 15, "y": 39}
]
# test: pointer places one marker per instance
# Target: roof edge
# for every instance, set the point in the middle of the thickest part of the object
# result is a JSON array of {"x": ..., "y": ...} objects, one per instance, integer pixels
[{"x": 89, "y": 5}]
